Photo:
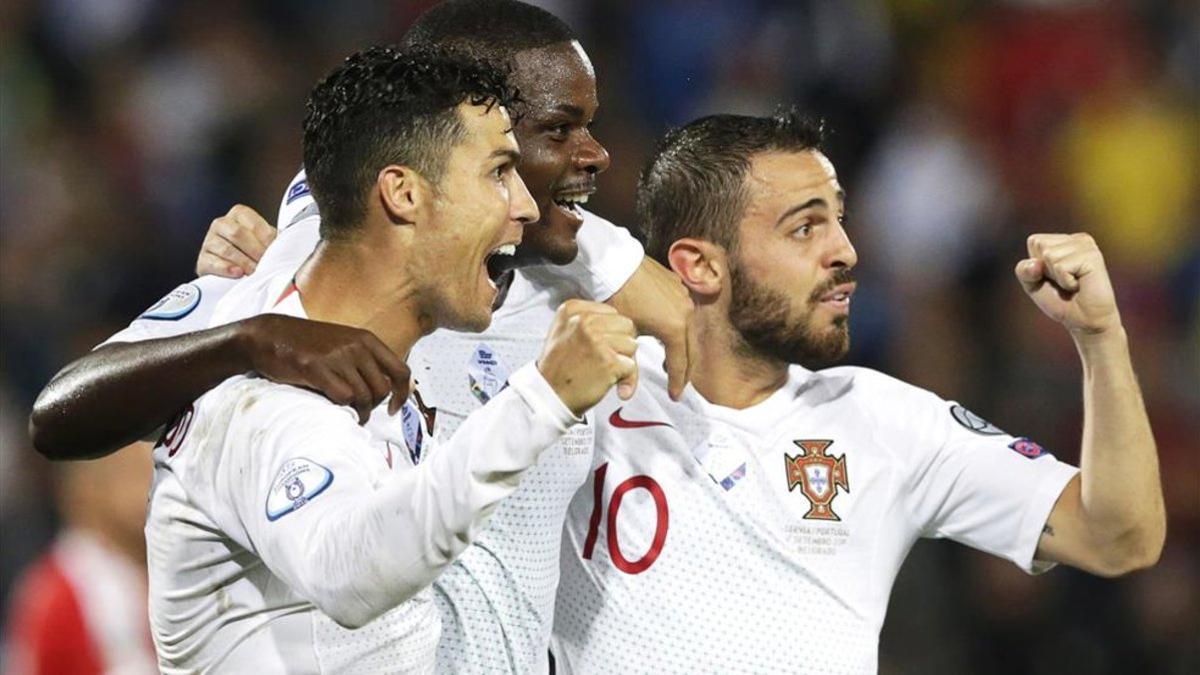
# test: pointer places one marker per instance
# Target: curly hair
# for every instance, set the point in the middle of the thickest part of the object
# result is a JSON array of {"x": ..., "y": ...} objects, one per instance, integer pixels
[
  {"x": 386, "y": 106},
  {"x": 694, "y": 185}
]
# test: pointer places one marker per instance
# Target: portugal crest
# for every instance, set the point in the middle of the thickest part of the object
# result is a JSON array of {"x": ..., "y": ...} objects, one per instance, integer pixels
[{"x": 818, "y": 476}]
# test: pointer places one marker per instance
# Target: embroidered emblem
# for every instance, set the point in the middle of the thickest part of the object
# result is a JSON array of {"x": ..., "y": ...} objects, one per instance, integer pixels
[
  {"x": 619, "y": 422},
  {"x": 818, "y": 476},
  {"x": 970, "y": 420},
  {"x": 298, "y": 482},
  {"x": 487, "y": 376},
  {"x": 1027, "y": 448},
  {"x": 175, "y": 305}
]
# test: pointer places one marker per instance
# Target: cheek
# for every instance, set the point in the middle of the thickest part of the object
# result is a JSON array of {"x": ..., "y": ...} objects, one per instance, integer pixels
[{"x": 541, "y": 167}]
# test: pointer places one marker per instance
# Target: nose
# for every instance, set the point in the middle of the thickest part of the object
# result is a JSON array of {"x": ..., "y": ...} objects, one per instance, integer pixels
[
  {"x": 842, "y": 253},
  {"x": 590, "y": 156},
  {"x": 521, "y": 207}
]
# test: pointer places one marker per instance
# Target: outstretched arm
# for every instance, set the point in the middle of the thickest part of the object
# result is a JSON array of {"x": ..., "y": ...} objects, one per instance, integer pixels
[
  {"x": 122, "y": 392},
  {"x": 1110, "y": 520}
]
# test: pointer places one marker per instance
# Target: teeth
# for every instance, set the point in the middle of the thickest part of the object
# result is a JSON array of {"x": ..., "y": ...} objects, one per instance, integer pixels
[
  {"x": 507, "y": 249},
  {"x": 571, "y": 201}
]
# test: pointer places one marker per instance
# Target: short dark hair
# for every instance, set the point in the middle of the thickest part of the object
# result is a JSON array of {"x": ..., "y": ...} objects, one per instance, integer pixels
[
  {"x": 388, "y": 106},
  {"x": 489, "y": 29},
  {"x": 695, "y": 184}
]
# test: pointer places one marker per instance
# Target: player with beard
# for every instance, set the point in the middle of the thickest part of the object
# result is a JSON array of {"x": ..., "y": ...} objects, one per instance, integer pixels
[{"x": 764, "y": 531}]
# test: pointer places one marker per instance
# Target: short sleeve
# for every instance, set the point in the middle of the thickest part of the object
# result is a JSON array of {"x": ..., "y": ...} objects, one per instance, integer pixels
[
  {"x": 980, "y": 486},
  {"x": 186, "y": 309},
  {"x": 608, "y": 257}
]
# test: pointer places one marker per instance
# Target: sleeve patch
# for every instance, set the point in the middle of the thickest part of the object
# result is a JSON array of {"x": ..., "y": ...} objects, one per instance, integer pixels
[
  {"x": 175, "y": 305},
  {"x": 973, "y": 422},
  {"x": 487, "y": 376},
  {"x": 298, "y": 482},
  {"x": 298, "y": 190},
  {"x": 1027, "y": 448}
]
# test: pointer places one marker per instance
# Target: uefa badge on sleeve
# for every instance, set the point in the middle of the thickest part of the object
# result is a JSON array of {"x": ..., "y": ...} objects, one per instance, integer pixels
[{"x": 1027, "y": 448}]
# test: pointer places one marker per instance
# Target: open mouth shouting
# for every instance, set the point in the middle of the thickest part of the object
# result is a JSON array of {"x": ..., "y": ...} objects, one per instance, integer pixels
[{"x": 499, "y": 261}]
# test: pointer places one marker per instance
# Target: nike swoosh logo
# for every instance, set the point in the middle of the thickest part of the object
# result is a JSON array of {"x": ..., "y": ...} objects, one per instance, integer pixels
[{"x": 619, "y": 422}]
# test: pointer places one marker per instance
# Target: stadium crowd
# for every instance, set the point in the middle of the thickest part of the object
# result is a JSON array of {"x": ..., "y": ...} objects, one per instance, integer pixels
[{"x": 958, "y": 129}]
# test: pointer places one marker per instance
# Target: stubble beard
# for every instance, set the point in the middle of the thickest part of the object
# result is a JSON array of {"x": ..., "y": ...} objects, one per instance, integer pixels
[{"x": 769, "y": 329}]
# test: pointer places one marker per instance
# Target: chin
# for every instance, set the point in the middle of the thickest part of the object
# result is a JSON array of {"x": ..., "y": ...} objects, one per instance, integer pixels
[
  {"x": 563, "y": 253},
  {"x": 467, "y": 319}
]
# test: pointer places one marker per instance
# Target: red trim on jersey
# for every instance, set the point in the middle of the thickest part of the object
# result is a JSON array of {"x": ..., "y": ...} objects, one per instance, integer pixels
[
  {"x": 292, "y": 288},
  {"x": 47, "y": 630}
]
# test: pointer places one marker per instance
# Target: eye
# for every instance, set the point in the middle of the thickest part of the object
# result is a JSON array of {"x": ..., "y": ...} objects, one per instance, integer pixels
[
  {"x": 803, "y": 232},
  {"x": 843, "y": 219},
  {"x": 559, "y": 132}
]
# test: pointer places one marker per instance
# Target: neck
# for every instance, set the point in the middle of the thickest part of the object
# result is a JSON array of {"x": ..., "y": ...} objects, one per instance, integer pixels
[
  {"x": 732, "y": 374},
  {"x": 350, "y": 283}
]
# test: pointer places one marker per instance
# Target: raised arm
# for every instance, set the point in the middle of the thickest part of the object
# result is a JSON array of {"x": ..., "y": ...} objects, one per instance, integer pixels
[
  {"x": 122, "y": 392},
  {"x": 366, "y": 545},
  {"x": 1110, "y": 520}
]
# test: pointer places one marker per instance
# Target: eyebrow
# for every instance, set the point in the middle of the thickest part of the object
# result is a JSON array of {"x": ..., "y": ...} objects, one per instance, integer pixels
[
  {"x": 815, "y": 202},
  {"x": 513, "y": 156},
  {"x": 570, "y": 109}
]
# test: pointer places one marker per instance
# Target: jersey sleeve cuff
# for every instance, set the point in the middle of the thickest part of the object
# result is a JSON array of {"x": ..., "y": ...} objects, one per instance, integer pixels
[
  {"x": 541, "y": 397},
  {"x": 1041, "y": 503}
]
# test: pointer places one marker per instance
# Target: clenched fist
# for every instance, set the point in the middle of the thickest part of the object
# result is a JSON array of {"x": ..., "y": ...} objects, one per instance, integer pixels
[
  {"x": 1066, "y": 277},
  {"x": 590, "y": 348}
]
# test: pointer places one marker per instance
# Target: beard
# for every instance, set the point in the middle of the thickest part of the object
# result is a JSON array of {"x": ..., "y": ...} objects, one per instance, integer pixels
[{"x": 770, "y": 328}]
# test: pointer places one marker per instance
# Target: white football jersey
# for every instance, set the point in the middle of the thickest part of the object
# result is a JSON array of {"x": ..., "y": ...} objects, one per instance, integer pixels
[
  {"x": 497, "y": 599},
  {"x": 276, "y": 521},
  {"x": 767, "y": 539},
  {"x": 193, "y": 306}
]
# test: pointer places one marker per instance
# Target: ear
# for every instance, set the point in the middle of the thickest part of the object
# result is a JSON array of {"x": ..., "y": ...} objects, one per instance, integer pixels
[
  {"x": 402, "y": 192},
  {"x": 700, "y": 264}
]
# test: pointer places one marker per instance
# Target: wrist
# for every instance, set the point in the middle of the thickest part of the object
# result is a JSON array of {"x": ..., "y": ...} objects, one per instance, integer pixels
[
  {"x": 245, "y": 342},
  {"x": 1091, "y": 343}
]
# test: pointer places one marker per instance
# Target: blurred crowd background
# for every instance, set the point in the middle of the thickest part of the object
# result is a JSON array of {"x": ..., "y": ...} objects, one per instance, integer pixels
[{"x": 959, "y": 127}]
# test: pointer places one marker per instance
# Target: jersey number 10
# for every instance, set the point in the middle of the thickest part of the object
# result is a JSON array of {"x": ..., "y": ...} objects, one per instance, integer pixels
[{"x": 662, "y": 521}]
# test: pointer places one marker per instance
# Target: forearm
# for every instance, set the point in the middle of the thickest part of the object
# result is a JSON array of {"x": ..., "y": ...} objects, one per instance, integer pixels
[
  {"x": 120, "y": 393},
  {"x": 370, "y": 555},
  {"x": 1120, "y": 488}
]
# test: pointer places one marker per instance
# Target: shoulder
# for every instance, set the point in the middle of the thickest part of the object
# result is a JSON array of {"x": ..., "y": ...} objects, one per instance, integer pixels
[
  {"x": 888, "y": 401},
  {"x": 257, "y": 409},
  {"x": 590, "y": 219},
  {"x": 866, "y": 382}
]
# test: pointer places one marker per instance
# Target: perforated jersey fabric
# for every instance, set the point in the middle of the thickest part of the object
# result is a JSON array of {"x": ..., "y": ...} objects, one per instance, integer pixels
[{"x": 767, "y": 539}]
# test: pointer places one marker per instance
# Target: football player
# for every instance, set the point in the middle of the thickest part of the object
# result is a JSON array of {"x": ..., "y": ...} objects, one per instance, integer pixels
[
  {"x": 282, "y": 536},
  {"x": 765, "y": 530},
  {"x": 498, "y": 598}
]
